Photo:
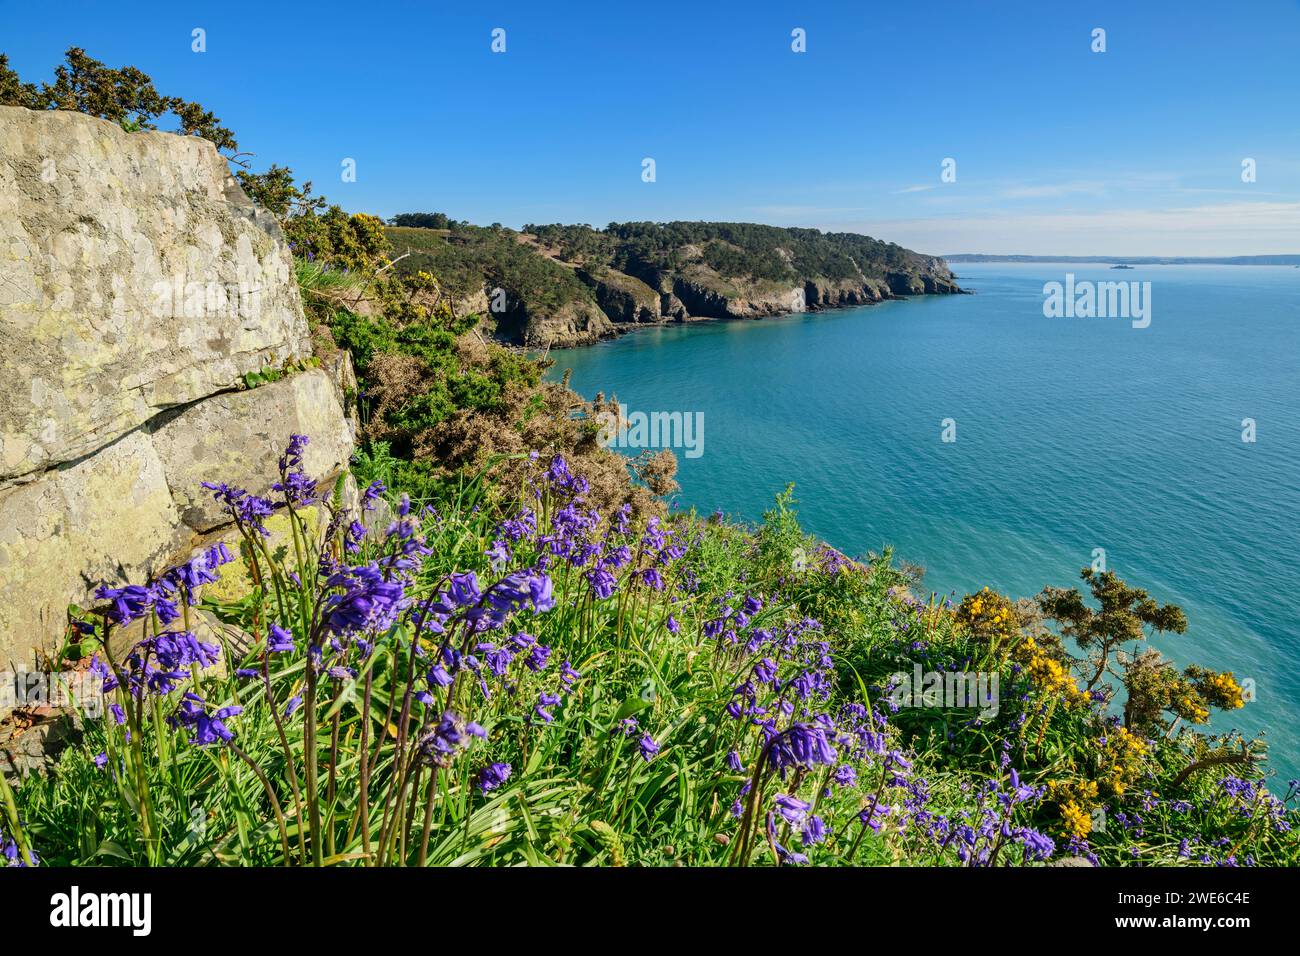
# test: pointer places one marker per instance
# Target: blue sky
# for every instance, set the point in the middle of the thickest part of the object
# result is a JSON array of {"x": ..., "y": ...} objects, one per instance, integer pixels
[{"x": 1058, "y": 149}]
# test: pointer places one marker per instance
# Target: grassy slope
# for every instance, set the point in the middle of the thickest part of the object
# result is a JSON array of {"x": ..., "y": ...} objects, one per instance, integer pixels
[
  {"x": 470, "y": 257},
  {"x": 635, "y": 767}
]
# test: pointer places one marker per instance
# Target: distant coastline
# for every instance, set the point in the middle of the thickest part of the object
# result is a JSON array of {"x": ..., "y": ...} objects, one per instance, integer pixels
[
  {"x": 560, "y": 286},
  {"x": 1277, "y": 260}
]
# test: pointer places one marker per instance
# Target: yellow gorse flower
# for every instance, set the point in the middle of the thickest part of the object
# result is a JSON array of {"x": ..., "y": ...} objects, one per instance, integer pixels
[
  {"x": 1122, "y": 757},
  {"x": 1077, "y": 820},
  {"x": 1228, "y": 690}
]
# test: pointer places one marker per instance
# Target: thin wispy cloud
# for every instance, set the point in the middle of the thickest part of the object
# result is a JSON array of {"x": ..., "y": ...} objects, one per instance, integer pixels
[
  {"x": 1053, "y": 190},
  {"x": 1222, "y": 229}
]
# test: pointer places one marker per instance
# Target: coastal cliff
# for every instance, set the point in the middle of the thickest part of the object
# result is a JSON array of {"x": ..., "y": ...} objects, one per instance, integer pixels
[
  {"x": 561, "y": 286},
  {"x": 631, "y": 686}
]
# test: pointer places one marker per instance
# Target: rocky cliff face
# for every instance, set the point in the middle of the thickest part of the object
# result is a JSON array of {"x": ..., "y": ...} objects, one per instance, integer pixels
[
  {"x": 624, "y": 298},
  {"x": 574, "y": 323},
  {"x": 698, "y": 292},
  {"x": 138, "y": 285}
]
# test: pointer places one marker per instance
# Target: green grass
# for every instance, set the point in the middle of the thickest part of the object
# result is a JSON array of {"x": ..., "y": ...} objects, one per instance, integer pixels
[{"x": 581, "y": 789}]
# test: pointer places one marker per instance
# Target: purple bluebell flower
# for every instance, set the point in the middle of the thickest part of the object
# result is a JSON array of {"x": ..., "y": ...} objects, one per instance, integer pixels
[
  {"x": 12, "y": 856},
  {"x": 538, "y": 658},
  {"x": 279, "y": 640},
  {"x": 540, "y": 592},
  {"x": 602, "y": 583},
  {"x": 248, "y": 510},
  {"x": 208, "y": 728},
  {"x": 874, "y": 817},
  {"x": 498, "y": 555},
  {"x": 497, "y": 659},
  {"x": 372, "y": 494},
  {"x": 447, "y": 737},
  {"x": 800, "y": 745},
  {"x": 545, "y": 701},
  {"x": 366, "y": 601},
  {"x": 568, "y": 675},
  {"x": 1037, "y": 846},
  {"x": 1020, "y": 792},
  {"x": 516, "y": 590},
  {"x": 199, "y": 570},
  {"x": 790, "y": 857},
  {"x": 648, "y": 748},
  {"x": 129, "y": 603},
  {"x": 814, "y": 831},
  {"x": 493, "y": 776},
  {"x": 792, "y": 808},
  {"x": 354, "y": 534}
]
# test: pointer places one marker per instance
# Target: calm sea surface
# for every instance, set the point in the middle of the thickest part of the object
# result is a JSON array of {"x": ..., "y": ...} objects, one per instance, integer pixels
[{"x": 1072, "y": 434}]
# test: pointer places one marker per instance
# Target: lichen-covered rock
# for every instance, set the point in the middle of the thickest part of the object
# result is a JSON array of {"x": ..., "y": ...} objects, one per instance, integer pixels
[
  {"x": 135, "y": 276},
  {"x": 344, "y": 378},
  {"x": 475, "y": 303},
  {"x": 236, "y": 579},
  {"x": 136, "y": 507},
  {"x": 236, "y": 437},
  {"x": 107, "y": 518},
  {"x": 138, "y": 285}
]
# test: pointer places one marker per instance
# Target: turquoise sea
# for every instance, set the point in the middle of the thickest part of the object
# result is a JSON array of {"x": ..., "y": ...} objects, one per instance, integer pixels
[{"x": 1072, "y": 434}]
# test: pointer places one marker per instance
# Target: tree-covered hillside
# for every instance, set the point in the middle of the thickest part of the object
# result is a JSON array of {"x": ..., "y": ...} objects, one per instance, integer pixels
[
  {"x": 571, "y": 284},
  {"x": 733, "y": 249}
]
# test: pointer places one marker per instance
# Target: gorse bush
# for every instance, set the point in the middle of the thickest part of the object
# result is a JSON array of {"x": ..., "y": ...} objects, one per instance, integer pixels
[
  {"x": 545, "y": 683},
  {"x": 125, "y": 96}
]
